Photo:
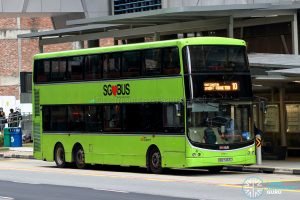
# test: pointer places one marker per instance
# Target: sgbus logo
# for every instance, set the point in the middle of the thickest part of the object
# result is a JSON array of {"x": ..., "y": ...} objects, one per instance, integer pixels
[{"x": 119, "y": 89}]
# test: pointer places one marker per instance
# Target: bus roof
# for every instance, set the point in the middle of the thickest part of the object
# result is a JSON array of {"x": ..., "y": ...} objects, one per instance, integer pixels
[{"x": 145, "y": 45}]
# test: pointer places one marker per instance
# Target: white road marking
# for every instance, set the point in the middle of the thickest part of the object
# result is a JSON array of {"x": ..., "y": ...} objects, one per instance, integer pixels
[
  {"x": 7, "y": 198},
  {"x": 109, "y": 190}
]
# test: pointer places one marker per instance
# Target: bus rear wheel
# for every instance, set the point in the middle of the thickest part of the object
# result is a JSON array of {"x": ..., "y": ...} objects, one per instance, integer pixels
[
  {"x": 154, "y": 161},
  {"x": 59, "y": 156},
  {"x": 79, "y": 157}
]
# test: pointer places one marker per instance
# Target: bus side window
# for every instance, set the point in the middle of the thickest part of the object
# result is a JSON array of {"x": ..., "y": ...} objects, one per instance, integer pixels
[
  {"x": 170, "y": 61},
  {"x": 131, "y": 63},
  {"x": 93, "y": 67},
  {"x": 76, "y": 118},
  {"x": 173, "y": 117},
  {"x": 59, "y": 118},
  {"x": 112, "y": 118},
  {"x": 75, "y": 68},
  {"x": 111, "y": 65},
  {"x": 152, "y": 62},
  {"x": 58, "y": 70},
  {"x": 42, "y": 71}
]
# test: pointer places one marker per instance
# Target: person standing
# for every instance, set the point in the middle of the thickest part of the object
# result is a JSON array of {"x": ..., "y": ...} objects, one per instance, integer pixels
[
  {"x": 11, "y": 118},
  {"x": 2, "y": 119}
]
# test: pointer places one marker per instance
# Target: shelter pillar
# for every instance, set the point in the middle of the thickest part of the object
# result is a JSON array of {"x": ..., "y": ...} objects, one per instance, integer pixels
[
  {"x": 282, "y": 117},
  {"x": 230, "y": 27},
  {"x": 295, "y": 41},
  {"x": 41, "y": 49}
]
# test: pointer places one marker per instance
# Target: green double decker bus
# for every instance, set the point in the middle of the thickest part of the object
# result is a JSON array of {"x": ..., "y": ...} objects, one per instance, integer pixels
[{"x": 182, "y": 103}]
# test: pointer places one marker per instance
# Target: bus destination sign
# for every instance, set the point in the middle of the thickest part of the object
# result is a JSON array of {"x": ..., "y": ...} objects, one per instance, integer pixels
[{"x": 221, "y": 87}]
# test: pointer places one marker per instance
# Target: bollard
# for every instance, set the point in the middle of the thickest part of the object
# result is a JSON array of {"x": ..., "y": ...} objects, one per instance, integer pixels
[{"x": 258, "y": 149}]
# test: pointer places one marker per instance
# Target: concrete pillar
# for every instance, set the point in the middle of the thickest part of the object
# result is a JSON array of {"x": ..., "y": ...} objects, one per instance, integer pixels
[
  {"x": 282, "y": 115},
  {"x": 93, "y": 43},
  {"x": 230, "y": 27},
  {"x": 41, "y": 48},
  {"x": 295, "y": 41}
]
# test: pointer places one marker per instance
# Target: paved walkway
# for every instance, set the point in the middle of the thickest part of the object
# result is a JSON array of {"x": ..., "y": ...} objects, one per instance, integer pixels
[{"x": 289, "y": 166}]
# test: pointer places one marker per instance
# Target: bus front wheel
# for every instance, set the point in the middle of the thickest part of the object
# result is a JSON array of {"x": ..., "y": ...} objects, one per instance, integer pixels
[
  {"x": 154, "y": 161},
  {"x": 59, "y": 156},
  {"x": 79, "y": 157}
]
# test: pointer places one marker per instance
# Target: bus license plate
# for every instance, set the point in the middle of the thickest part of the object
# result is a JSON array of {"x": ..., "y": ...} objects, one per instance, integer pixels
[{"x": 224, "y": 159}]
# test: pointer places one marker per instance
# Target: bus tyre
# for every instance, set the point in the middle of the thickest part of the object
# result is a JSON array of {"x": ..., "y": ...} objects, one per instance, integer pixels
[
  {"x": 79, "y": 157},
  {"x": 155, "y": 161},
  {"x": 215, "y": 169},
  {"x": 59, "y": 156}
]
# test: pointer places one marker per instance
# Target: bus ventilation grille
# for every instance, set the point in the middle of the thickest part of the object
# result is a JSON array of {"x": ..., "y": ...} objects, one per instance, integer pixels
[
  {"x": 36, "y": 102},
  {"x": 36, "y": 137}
]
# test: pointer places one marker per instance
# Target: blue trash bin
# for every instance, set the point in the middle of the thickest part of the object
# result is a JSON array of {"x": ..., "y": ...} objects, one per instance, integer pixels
[{"x": 15, "y": 137}]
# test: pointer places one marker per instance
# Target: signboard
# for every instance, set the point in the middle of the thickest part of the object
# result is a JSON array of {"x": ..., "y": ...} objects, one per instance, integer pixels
[{"x": 221, "y": 87}]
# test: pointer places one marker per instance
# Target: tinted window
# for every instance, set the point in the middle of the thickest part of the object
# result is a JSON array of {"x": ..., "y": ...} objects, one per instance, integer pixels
[
  {"x": 76, "y": 118},
  {"x": 93, "y": 117},
  {"x": 46, "y": 118},
  {"x": 42, "y": 71},
  {"x": 152, "y": 62},
  {"x": 58, "y": 70},
  {"x": 111, "y": 65},
  {"x": 112, "y": 118},
  {"x": 170, "y": 61},
  {"x": 59, "y": 118},
  {"x": 131, "y": 63},
  {"x": 93, "y": 67},
  {"x": 75, "y": 68},
  {"x": 173, "y": 118},
  {"x": 215, "y": 58},
  {"x": 133, "y": 117},
  {"x": 152, "y": 117}
]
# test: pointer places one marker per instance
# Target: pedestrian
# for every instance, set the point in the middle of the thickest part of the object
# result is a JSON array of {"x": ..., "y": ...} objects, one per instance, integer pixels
[
  {"x": 11, "y": 118},
  {"x": 17, "y": 117},
  {"x": 2, "y": 119}
]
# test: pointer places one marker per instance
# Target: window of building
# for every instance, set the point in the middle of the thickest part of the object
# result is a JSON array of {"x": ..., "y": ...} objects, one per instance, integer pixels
[
  {"x": 131, "y": 63},
  {"x": 76, "y": 118},
  {"x": 26, "y": 82},
  {"x": 293, "y": 118},
  {"x": 170, "y": 61},
  {"x": 75, "y": 68},
  {"x": 271, "y": 121},
  {"x": 112, "y": 118},
  {"x": 93, "y": 67},
  {"x": 111, "y": 65},
  {"x": 152, "y": 62}
]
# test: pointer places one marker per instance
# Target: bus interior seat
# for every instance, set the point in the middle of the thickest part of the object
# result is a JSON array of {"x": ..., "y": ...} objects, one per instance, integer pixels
[{"x": 196, "y": 134}]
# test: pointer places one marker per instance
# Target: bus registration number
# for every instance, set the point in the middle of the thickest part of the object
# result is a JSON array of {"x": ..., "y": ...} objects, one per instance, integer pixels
[{"x": 225, "y": 159}]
